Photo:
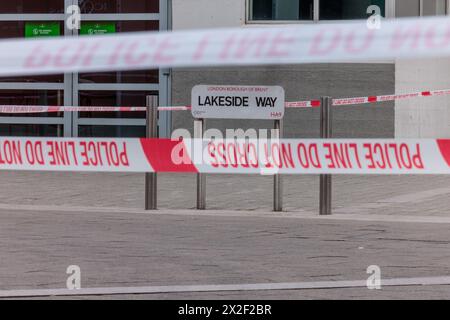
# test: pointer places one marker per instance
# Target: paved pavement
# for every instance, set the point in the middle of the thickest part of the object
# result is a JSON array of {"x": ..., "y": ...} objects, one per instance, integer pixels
[
  {"x": 49, "y": 221},
  {"x": 396, "y": 195},
  {"x": 144, "y": 249}
]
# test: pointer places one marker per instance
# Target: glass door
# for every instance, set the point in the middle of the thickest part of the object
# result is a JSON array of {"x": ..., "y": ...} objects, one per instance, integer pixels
[
  {"x": 32, "y": 19},
  {"x": 128, "y": 88}
]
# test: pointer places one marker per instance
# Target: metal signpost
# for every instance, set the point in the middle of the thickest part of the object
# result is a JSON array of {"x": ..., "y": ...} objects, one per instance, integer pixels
[
  {"x": 199, "y": 130},
  {"x": 238, "y": 102},
  {"x": 278, "y": 179},
  {"x": 152, "y": 132},
  {"x": 325, "y": 133}
]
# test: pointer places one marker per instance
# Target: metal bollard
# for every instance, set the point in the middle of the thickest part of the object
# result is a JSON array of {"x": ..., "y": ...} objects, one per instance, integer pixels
[
  {"x": 325, "y": 133},
  {"x": 278, "y": 179},
  {"x": 199, "y": 130},
  {"x": 151, "y": 179}
]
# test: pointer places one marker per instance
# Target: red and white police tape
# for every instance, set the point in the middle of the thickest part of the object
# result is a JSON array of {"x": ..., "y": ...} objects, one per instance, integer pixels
[
  {"x": 317, "y": 43},
  {"x": 369, "y": 99},
  {"x": 346, "y": 156},
  {"x": 295, "y": 104},
  {"x": 52, "y": 109}
]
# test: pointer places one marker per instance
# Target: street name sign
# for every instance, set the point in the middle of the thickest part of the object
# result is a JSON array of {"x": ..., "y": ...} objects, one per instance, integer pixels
[{"x": 238, "y": 102}]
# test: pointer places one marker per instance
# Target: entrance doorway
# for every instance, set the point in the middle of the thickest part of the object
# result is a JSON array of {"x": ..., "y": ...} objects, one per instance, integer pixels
[{"x": 29, "y": 19}]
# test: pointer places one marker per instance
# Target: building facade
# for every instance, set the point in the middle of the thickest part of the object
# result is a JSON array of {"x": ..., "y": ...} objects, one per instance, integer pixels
[
  {"x": 29, "y": 19},
  {"x": 413, "y": 118}
]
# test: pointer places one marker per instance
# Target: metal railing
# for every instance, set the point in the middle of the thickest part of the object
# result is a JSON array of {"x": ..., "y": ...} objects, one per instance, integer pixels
[{"x": 151, "y": 184}]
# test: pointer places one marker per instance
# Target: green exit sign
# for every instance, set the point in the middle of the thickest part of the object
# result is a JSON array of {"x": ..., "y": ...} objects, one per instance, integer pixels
[
  {"x": 95, "y": 28},
  {"x": 42, "y": 29}
]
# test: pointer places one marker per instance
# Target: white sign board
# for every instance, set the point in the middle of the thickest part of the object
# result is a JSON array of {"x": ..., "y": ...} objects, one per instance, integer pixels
[{"x": 238, "y": 102}]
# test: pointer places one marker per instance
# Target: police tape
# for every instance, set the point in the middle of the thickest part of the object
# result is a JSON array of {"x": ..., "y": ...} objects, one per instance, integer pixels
[
  {"x": 316, "y": 43},
  {"x": 294, "y": 104},
  {"x": 394, "y": 97},
  {"x": 286, "y": 156},
  {"x": 369, "y": 99},
  {"x": 54, "y": 109}
]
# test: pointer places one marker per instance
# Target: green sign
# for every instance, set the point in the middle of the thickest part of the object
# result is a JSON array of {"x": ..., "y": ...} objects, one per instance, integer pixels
[
  {"x": 93, "y": 28},
  {"x": 42, "y": 29}
]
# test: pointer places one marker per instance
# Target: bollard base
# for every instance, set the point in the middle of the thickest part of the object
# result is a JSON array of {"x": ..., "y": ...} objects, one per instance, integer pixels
[
  {"x": 201, "y": 191},
  {"x": 325, "y": 195},
  {"x": 151, "y": 191}
]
